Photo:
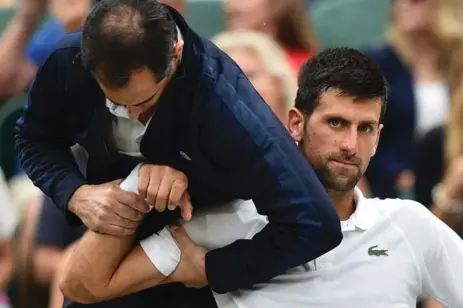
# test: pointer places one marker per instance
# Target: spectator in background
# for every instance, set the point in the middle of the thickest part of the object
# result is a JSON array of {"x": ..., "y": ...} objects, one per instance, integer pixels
[
  {"x": 179, "y": 5},
  {"x": 265, "y": 64},
  {"x": 414, "y": 62},
  {"x": 439, "y": 167},
  {"x": 8, "y": 224},
  {"x": 22, "y": 52},
  {"x": 53, "y": 237},
  {"x": 17, "y": 71},
  {"x": 286, "y": 21}
]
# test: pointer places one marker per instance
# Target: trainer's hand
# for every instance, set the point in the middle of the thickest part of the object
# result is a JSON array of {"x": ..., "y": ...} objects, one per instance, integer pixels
[
  {"x": 164, "y": 187},
  {"x": 108, "y": 209}
]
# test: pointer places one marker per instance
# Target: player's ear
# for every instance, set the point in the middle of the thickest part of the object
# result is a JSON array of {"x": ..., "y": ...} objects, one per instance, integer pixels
[
  {"x": 378, "y": 134},
  {"x": 178, "y": 48},
  {"x": 296, "y": 124}
]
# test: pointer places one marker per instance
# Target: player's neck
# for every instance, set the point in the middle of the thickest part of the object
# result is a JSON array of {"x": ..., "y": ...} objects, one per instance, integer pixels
[{"x": 343, "y": 202}]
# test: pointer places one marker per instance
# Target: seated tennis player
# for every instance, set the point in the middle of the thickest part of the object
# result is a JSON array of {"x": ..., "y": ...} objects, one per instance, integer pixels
[{"x": 393, "y": 250}]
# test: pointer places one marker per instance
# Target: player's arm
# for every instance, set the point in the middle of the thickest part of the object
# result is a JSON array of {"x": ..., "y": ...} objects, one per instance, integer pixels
[
  {"x": 103, "y": 267},
  {"x": 43, "y": 136},
  {"x": 442, "y": 251},
  {"x": 264, "y": 164}
]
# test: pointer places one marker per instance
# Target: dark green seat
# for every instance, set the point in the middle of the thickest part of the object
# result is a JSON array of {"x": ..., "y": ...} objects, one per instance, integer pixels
[
  {"x": 353, "y": 23},
  {"x": 206, "y": 17},
  {"x": 9, "y": 113}
]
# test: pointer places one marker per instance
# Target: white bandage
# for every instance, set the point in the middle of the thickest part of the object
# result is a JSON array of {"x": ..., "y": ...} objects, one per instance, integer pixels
[
  {"x": 163, "y": 251},
  {"x": 160, "y": 248}
]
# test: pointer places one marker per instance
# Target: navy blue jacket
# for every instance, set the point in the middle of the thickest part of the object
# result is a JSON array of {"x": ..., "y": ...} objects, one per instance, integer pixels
[{"x": 236, "y": 146}]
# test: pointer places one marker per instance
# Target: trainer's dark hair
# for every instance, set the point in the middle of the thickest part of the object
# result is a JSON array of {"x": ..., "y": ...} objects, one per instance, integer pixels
[
  {"x": 120, "y": 36},
  {"x": 343, "y": 69}
]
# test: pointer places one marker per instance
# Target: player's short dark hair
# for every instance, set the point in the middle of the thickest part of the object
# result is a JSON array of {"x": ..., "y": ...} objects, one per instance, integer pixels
[
  {"x": 120, "y": 36},
  {"x": 343, "y": 69}
]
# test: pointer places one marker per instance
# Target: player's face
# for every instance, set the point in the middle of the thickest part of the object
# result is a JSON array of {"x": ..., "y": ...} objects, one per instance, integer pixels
[{"x": 339, "y": 138}]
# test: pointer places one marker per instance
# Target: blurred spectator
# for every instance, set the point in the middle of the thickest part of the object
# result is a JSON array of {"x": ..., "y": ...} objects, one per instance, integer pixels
[
  {"x": 17, "y": 72},
  {"x": 22, "y": 52},
  {"x": 414, "y": 62},
  {"x": 265, "y": 64},
  {"x": 70, "y": 14},
  {"x": 286, "y": 21},
  {"x": 53, "y": 235},
  {"x": 441, "y": 150},
  {"x": 8, "y": 224},
  {"x": 179, "y": 5},
  {"x": 6, "y": 3}
]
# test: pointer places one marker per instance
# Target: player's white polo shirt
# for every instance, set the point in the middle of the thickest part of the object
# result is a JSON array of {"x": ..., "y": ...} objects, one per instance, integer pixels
[{"x": 392, "y": 252}]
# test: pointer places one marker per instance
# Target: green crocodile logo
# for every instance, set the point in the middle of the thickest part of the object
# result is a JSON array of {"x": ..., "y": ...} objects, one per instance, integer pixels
[{"x": 372, "y": 251}]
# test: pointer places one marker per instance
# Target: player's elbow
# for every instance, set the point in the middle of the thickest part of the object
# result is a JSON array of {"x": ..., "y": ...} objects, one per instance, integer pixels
[{"x": 78, "y": 290}]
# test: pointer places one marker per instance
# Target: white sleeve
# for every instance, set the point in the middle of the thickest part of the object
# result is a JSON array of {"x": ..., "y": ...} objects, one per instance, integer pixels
[
  {"x": 443, "y": 260},
  {"x": 160, "y": 248},
  {"x": 9, "y": 216}
]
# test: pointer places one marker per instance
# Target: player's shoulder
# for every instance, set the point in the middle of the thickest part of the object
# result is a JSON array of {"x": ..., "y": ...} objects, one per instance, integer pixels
[{"x": 401, "y": 209}]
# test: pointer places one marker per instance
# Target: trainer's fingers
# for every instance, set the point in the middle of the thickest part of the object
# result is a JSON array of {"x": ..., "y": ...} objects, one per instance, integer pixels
[
  {"x": 127, "y": 212},
  {"x": 186, "y": 208},
  {"x": 144, "y": 178},
  {"x": 153, "y": 187},
  {"x": 139, "y": 204},
  {"x": 131, "y": 200},
  {"x": 161, "y": 195},
  {"x": 178, "y": 189},
  {"x": 116, "y": 220}
]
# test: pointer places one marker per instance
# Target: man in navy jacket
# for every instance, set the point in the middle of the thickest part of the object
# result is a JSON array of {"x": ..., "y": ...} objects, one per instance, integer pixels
[{"x": 200, "y": 115}]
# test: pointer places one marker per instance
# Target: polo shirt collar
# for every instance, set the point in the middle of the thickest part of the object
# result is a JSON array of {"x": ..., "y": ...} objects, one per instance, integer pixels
[{"x": 364, "y": 216}]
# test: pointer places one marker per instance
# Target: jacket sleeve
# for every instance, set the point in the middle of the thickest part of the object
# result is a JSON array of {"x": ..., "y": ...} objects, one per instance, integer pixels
[
  {"x": 264, "y": 164},
  {"x": 43, "y": 138}
]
